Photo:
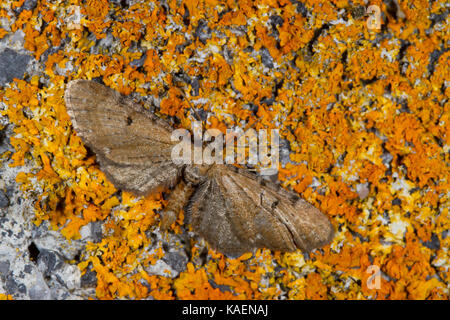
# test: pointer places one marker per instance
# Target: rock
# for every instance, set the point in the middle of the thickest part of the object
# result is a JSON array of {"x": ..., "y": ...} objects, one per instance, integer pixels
[
  {"x": 434, "y": 243},
  {"x": 276, "y": 20},
  {"x": 202, "y": 114},
  {"x": 363, "y": 190},
  {"x": 267, "y": 101},
  {"x": 285, "y": 151},
  {"x": 176, "y": 260},
  {"x": 301, "y": 8},
  {"x": 4, "y": 201},
  {"x": 96, "y": 231},
  {"x": 39, "y": 290},
  {"x": 252, "y": 107},
  {"x": 12, "y": 286},
  {"x": 4, "y": 268},
  {"x": 203, "y": 32},
  {"x": 92, "y": 231},
  {"x": 387, "y": 159},
  {"x": 139, "y": 62},
  {"x": 358, "y": 12},
  {"x": 221, "y": 287},
  {"x": 46, "y": 239},
  {"x": 266, "y": 58},
  {"x": 69, "y": 276},
  {"x": 12, "y": 65},
  {"x": 195, "y": 87},
  {"x": 29, "y": 5},
  {"x": 161, "y": 268},
  {"x": 89, "y": 278},
  {"x": 48, "y": 262}
]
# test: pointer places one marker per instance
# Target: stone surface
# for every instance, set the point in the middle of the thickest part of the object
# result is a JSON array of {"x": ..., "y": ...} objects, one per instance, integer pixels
[
  {"x": 266, "y": 58},
  {"x": 33, "y": 259},
  {"x": 38, "y": 263},
  {"x": 4, "y": 201}
]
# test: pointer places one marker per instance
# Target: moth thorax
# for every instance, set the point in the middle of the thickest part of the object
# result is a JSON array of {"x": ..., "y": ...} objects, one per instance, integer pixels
[{"x": 195, "y": 174}]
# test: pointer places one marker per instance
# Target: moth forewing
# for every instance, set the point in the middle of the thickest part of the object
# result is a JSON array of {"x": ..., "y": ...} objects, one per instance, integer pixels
[
  {"x": 132, "y": 145},
  {"x": 303, "y": 224}
]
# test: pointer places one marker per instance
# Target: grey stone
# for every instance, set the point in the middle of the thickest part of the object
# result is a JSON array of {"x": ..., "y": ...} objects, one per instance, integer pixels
[
  {"x": 221, "y": 287},
  {"x": 40, "y": 290},
  {"x": 11, "y": 285},
  {"x": 29, "y": 5},
  {"x": 4, "y": 268},
  {"x": 434, "y": 57},
  {"x": 301, "y": 8},
  {"x": 363, "y": 190},
  {"x": 266, "y": 58},
  {"x": 2, "y": 136},
  {"x": 276, "y": 20},
  {"x": 387, "y": 158},
  {"x": 438, "y": 18},
  {"x": 176, "y": 261},
  {"x": 22, "y": 288},
  {"x": 12, "y": 65},
  {"x": 267, "y": 101},
  {"x": 49, "y": 262},
  {"x": 285, "y": 151},
  {"x": 195, "y": 87},
  {"x": 139, "y": 62},
  {"x": 89, "y": 278},
  {"x": 10, "y": 191},
  {"x": 4, "y": 201},
  {"x": 28, "y": 268},
  {"x": 181, "y": 77},
  {"x": 96, "y": 231},
  {"x": 203, "y": 32},
  {"x": 434, "y": 243},
  {"x": 202, "y": 114},
  {"x": 227, "y": 53}
]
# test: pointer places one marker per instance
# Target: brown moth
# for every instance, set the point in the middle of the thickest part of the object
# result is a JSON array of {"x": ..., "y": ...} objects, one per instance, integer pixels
[{"x": 233, "y": 209}]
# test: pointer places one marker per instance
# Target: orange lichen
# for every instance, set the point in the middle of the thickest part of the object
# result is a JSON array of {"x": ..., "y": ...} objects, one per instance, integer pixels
[{"x": 5, "y": 296}]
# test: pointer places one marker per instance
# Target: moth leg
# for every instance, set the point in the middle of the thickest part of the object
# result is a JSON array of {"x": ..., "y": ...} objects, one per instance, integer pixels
[{"x": 177, "y": 199}]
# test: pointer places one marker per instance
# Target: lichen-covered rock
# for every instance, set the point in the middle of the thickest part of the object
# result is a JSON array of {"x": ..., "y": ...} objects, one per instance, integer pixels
[{"x": 363, "y": 117}]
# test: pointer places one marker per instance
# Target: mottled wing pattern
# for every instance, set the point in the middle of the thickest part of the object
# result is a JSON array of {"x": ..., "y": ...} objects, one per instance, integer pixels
[
  {"x": 133, "y": 146},
  {"x": 237, "y": 213}
]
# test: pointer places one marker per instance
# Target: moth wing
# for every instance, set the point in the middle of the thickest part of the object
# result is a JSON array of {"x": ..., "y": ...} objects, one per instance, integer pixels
[
  {"x": 133, "y": 146},
  {"x": 237, "y": 213},
  {"x": 141, "y": 180}
]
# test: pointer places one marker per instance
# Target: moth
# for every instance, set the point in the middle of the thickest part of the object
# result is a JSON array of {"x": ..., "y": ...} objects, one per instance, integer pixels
[{"x": 233, "y": 209}]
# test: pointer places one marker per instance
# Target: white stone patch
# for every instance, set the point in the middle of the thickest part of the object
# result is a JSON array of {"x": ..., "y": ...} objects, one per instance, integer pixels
[{"x": 397, "y": 227}]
